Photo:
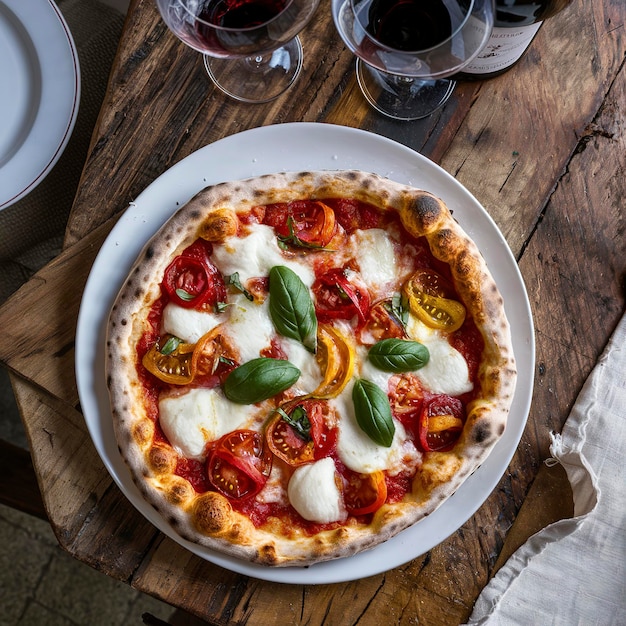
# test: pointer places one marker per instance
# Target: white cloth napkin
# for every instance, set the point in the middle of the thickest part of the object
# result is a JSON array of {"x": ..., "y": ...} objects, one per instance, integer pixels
[{"x": 574, "y": 571}]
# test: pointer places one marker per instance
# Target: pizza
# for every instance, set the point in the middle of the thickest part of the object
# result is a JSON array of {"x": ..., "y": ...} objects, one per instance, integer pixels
[{"x": 301, "y": 365}]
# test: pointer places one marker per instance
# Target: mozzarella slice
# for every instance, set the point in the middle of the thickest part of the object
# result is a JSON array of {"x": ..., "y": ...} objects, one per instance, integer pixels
[
  {"x": 314, "y": 493},
  {"x": 191, "y": 420},
  {"x": 188, "y": 324},
  {"x": 249, "y": 326},
  {"x": 446, "y": 370},
  {"x": 305, "y": 361},
  {"x": 255, "y": 255},
  {"x": 374, "y": 253}
]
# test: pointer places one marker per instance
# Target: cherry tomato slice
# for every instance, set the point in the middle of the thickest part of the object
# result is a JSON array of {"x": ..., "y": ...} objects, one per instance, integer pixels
[
  {"x": 286, "y": 444},
  {"x": 213, "y": 355},
  {"x": 363, "y": 493},
  {"x": 432, "y": 300},
  {"x": 440, "y": 423},
  {"x": 170, "y": 360},
  {"x": 307, "y": 223},
  {"x": 432, "y": 283},
  {"x": 339, "y": 294},
  {"x": 310, "y": 439},
  {"x": 191, "y": 279},
  {"x": 335, "y": 355},
  {"x": 381, "y": 324},
  {"x": 238, "y": 464}
]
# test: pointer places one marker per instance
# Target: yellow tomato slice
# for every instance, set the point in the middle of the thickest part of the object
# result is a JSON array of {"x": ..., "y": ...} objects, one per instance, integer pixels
[
  {"x": 335, "y": 355},
  {"x": 170, "y": 360},
  {"x": 439, "y": 423},
  {"x": 424, "y": 292}
]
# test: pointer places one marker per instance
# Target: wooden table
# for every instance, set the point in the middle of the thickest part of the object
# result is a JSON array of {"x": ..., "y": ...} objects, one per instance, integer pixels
[{"x": 542, "y": 148}]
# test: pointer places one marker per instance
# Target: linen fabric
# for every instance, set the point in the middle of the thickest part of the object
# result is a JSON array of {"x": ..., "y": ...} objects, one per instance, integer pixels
[{"x": 573, "y": 571}]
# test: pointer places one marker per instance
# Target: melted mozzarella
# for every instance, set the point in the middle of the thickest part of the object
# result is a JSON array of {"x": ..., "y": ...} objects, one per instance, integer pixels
[
  {"x": 314, "y": 493},
  {"x": 374, "y": 253},
  {"x": 446, "y": 370},
  {"x": 191, "y": 420},
  {"x": 305, "y": 361},
  {"x": 249, "y": 326},
  {"x": 188, "y": 324},
  {"x": 255, "y": 255}
]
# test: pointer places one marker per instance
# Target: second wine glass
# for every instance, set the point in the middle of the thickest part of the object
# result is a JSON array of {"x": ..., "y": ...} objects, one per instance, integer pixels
[
  {"x": 251, "y": 49},
  {"x": 406, "y": 49}
]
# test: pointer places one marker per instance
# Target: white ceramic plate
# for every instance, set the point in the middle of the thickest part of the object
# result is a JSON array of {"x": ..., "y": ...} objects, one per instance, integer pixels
[
  {"x": 39, "y": 93},
  {"x": 297, "y": 147}
]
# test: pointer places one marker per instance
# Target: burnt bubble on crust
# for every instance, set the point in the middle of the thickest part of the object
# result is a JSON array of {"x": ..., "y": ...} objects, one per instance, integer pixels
[{"x": 427, "y": 209}]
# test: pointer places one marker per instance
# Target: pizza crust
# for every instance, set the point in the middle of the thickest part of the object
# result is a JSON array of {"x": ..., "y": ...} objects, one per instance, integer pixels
[{"x": 208, "y": 519}]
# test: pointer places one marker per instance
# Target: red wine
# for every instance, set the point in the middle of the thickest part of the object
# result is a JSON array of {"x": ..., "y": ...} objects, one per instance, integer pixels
[
  {"x": 515, "y": 26},
  {"x": 239, "y": 28},
  {"x": 409, "y": 25},
  {"x": 241, "y": 14}
]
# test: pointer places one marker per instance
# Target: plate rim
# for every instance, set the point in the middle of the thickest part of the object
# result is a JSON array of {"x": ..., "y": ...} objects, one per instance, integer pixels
[
  {"x": 329, "y": 571},
  {"x": 66, "y": 86}
]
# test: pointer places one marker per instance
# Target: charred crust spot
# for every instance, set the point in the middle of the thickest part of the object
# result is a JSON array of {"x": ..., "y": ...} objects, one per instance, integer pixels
[
  {"x": 427, "y": 208},
  {"x": 352, "y": 175},
  {"x": 267, "y": 554},
  {"x": 195, "y": 214},
  {"x": 482, "y": 432},
  {"x": 149, "y": 252},
  {"x": 501, "y": 429}
]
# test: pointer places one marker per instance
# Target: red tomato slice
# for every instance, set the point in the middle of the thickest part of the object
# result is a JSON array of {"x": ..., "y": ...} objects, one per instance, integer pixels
[
  {"x": 239, "y": 464},
  {"x": 311, "y": 440},
  {"x": 304, "y": 221},
  {"x": 191, "y": 279},
  {"x": 440, "y": 423},
  {"x": 381, "y": 324},
  {"x": 339, "y": 295},
  {"x": 363, "y": 493}
]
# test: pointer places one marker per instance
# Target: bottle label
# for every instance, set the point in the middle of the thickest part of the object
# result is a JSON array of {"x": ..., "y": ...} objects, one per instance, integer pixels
[{"x": 505, "y": 47}]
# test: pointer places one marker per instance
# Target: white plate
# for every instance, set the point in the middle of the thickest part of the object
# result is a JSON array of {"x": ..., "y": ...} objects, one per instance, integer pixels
[
  {"x": 39, "y": 93},
  {"x": 296, "y": 147}
]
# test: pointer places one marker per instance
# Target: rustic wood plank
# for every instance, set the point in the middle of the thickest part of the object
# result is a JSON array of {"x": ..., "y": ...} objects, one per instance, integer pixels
[
  {"x": 164, "y": 80},
  {"x": 39, "y": 321},
  {"x": 90, "y": 517},
  {"x": 526, "y": 124}
]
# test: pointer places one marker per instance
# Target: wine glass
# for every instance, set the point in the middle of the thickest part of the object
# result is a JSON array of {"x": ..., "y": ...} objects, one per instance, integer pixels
[
  {"x": 251, "y": 48},
  {"x": 406, "y": 48}
]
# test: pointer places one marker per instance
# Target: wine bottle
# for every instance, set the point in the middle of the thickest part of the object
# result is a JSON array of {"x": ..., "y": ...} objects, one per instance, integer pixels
[{"x": 516, "y": 23}]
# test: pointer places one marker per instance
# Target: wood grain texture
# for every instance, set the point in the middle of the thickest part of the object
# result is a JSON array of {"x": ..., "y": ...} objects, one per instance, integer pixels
[{"x": 542, "y": 147}]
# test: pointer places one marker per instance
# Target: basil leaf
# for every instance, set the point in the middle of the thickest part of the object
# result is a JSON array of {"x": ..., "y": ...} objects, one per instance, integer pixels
[
  {"x": 299, "y": 421},
  {"x": 373, "y": 412},
  {"x": 398, "y": 308},
  {"x": 170, "y": 345},
  {"x": 291, "y": 307},
  {"x": 259, "y": 379},
  {"x": 233, "y": 280},
  {"x": 184, "y": 295},
  {"x": 398, "y": 355}
]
